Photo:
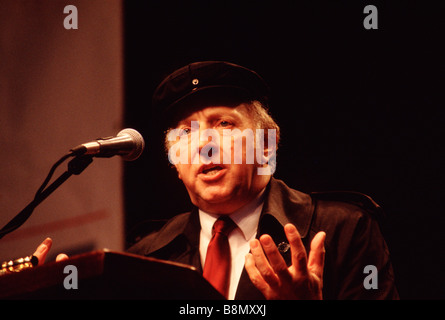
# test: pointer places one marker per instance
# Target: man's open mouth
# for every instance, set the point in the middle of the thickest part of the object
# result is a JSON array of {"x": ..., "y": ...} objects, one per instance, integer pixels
[{"x": 210, "y": 169}]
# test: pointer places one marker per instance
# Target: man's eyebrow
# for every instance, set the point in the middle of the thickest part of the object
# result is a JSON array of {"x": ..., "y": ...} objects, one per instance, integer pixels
[
  {"x": 186, "y": 121},
  {"x": 222, "y": 114},
  {"x": 181, "y": 122}
]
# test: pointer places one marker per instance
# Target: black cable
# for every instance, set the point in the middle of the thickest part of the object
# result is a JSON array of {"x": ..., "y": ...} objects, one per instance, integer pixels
[
  {"x": 51, "y": 172},
  {"x": 75, "y": 166}
]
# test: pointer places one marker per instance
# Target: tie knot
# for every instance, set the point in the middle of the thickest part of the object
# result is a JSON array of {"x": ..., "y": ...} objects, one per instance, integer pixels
[{"x": 224, "y": 225}]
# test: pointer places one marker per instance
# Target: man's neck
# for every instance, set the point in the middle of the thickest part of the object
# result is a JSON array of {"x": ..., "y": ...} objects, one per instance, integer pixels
[{"x": 246, "y": 217}]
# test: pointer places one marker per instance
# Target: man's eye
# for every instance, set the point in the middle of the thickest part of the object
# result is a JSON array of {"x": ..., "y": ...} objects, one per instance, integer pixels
[
  {"x": 184, "y": 131},
  {"x": 225, "y": 123}
]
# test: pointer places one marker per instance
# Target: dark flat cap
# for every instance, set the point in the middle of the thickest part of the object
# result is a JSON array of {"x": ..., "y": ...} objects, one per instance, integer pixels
[{"x": 208, "y": 82}]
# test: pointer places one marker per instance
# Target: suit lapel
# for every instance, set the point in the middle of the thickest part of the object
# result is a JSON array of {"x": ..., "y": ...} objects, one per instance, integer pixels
[{"x": 192, "y": 233}]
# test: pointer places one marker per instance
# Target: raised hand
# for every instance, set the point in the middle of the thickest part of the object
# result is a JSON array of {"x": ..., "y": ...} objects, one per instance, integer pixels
[{"x": 270, "y": 274}]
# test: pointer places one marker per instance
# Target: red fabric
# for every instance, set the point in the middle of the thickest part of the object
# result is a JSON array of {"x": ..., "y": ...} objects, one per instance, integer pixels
[{"x": 218, "y": 260}]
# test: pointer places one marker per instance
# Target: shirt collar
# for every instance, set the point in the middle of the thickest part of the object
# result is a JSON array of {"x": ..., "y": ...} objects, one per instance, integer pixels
[{"x": 246, "y": 218}]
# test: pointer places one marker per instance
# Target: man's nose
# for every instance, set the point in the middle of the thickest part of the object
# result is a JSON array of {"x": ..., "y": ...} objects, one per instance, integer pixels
[{"x": 209, "y": 146}]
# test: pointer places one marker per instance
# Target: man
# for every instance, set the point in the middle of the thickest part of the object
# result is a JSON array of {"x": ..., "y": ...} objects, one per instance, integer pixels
[
  {"x": 336, "y": 231},
  {"x": 251, "y": 235}
]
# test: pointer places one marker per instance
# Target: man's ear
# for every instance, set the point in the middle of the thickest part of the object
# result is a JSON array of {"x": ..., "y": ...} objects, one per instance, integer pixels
[
  {"x": 268, "y": 154},
  {"x": 267, "y": 146}
]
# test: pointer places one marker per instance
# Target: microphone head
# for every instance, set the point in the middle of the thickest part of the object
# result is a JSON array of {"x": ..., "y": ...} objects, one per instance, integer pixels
[{"x": 139, "y": 144}]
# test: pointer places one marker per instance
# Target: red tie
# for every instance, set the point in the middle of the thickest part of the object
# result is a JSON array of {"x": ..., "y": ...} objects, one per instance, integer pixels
[{"x": 218, "y": 261}]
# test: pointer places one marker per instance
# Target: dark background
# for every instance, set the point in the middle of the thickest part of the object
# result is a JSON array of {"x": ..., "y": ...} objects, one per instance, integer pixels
[{"x": 359, "y": 109}]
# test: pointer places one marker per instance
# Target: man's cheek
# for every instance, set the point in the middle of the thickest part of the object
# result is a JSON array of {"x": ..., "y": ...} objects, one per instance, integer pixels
[{"x": 184, "y": 172}]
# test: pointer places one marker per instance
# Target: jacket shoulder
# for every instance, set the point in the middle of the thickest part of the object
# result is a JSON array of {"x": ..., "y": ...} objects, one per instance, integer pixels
[
  {"x": 354, "y": 240},
  {"x": 349, "y": 199}
]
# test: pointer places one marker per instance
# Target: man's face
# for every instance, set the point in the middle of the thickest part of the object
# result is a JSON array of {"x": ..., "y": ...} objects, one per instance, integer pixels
[{"x": 223, "y": 187}]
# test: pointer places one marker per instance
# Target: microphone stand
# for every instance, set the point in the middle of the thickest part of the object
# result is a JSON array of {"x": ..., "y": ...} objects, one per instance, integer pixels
[{"x": 75, "y": 166}]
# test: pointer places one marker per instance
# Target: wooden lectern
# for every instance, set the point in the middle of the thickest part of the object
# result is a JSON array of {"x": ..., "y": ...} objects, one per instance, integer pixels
[{"x": 106, "y": 274}]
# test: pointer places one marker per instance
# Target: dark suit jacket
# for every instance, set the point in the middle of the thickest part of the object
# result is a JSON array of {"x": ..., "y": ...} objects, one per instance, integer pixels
[{"x": 353, "y": 240}]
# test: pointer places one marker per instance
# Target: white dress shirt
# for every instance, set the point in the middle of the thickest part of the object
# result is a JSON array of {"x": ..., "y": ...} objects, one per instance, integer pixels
[{"x": 247, "y": 219}]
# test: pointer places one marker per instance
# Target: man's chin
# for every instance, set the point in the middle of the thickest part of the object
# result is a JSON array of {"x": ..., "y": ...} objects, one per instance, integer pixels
[
  {"x": 215, "y": 199},
  {"x": 218, "y": 203}
]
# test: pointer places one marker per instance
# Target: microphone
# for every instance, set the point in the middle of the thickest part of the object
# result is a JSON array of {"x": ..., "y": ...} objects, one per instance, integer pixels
[{"x": 128, "y": 143}]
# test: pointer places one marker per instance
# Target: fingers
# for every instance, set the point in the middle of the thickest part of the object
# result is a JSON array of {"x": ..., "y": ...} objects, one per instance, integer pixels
[
  {"x": 270, "y": 263},
  {"x": 43, "y": 249},
  {"x": 266, "y": 267},
  {"x": 298, "y": 253},
  {"x": 261, "y": 262},
  {"x": 270, "y": 274},
  {"x": 316, "y": 255},
  {"x": 274, "y": 257},
  {"x": 255, "y": 275},
  {"x": 61, "y": 257}
]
